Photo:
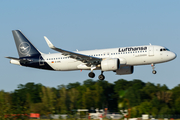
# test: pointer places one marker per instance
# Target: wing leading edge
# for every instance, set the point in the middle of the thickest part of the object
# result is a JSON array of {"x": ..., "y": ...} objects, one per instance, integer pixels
[{"x": 89, "y": 60}]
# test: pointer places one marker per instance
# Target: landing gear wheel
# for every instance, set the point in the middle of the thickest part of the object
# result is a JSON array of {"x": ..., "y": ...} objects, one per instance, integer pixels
[
  {"x": 101, "y": 77},
  {"x": 91, "y": 75},
  {"x": 154, "y": 72}
]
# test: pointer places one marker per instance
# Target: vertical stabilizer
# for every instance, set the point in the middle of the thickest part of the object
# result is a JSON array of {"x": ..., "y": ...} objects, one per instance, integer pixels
[{"x": 24, "y": 47}]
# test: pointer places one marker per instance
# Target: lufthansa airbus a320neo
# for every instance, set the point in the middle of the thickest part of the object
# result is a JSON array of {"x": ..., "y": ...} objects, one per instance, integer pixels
[{"x": 119, "y": 60}]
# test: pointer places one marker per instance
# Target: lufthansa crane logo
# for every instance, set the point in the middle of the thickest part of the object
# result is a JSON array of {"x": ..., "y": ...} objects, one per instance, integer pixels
[{"x": 24, "y": 48}]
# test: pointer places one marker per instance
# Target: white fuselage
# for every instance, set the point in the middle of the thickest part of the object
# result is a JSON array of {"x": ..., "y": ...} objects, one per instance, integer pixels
[{"x": 128, "y": 56}]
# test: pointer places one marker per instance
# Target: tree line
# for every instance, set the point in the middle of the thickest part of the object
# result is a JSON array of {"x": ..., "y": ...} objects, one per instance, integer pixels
[{"x": 135, "y": 96}]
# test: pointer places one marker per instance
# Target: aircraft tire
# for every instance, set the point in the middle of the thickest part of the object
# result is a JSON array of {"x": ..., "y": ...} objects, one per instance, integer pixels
[
  {"x": 101, "y": 77},
  {"x": 154, "y": 72},
  {"x": 91, "y": 75}
]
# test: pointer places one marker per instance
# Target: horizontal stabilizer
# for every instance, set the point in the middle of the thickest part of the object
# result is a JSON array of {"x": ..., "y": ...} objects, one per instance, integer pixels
[
  {"x": 21, "y": 60},
  {"x": 13, "y": 58}
]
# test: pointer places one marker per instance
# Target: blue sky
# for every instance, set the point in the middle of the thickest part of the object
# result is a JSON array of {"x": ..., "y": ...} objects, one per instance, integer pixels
[{"x": 86, "y": 25}]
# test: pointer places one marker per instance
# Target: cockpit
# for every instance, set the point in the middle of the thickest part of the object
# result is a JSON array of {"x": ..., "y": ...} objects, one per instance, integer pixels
[{"x": 164, "y": 49}]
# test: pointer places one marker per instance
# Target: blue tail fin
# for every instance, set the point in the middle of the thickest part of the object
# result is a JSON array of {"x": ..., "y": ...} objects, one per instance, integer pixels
[{"x": 24, "y": 47}]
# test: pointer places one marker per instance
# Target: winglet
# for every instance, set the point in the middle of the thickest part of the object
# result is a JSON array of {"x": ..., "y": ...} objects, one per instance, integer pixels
[{"x": 49, "y": 43}]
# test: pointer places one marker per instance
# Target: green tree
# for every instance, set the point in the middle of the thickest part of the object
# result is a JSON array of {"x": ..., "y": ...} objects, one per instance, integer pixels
[
  {"x": 134, "y": 96},
  {"x": 149, "y": 91},
  {"x": 5, "y": 104},
  {"x": 177, "y": 104},
  {"x": 165, "y": 110},
  {"x": 73, "y": 85},
  {"x": 89, "y": 83},
  {"x": 87, "y": 99},
  {"x": 121, "y": 84},
  {"x": 98, "y": 96},
  {"x": 73, "y": 94},
  {"x": 108, "y": 96},
  {"x": 48, "y": 98},
  {"x": 62, "y": 100},
  {"x": 145, "y": 108}
]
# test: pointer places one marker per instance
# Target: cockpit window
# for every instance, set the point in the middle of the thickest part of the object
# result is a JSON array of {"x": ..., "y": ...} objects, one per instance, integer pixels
[
  {"x": 164, "y": 49},
  {"x": 167, "y": 49}
]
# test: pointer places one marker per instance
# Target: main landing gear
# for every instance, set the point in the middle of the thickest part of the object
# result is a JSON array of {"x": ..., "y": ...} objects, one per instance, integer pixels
[
  {"x": 92, "y": 75},
  {"x": 101, "y": 76},
  {"x": 154, "y": 71}
]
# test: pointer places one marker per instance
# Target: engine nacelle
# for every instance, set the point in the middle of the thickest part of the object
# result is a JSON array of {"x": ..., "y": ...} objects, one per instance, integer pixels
[
  {"x": 125, "y": 70},
  {"x": 110, "y": 64}
]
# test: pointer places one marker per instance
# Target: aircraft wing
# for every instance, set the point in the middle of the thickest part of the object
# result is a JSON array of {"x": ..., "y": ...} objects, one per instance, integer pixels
[{"x": 90, "y": 60}]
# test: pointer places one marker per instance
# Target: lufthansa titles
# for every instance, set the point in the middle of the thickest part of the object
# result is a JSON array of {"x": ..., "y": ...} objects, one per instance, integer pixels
[{"x": 132, "y": 49}]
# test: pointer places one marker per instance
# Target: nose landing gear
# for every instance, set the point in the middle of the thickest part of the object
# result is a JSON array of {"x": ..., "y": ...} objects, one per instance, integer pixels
[{"x": 154, "y": 71}]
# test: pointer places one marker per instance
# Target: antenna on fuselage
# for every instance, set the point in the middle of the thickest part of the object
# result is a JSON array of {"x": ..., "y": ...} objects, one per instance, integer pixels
[{"x": 149, "y": 43}]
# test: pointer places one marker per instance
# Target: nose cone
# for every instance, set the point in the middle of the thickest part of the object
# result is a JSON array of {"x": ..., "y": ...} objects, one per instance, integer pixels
[{"x": 172, "y": 56}]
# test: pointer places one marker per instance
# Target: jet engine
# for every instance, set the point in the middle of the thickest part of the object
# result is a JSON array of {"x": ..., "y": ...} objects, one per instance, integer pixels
[
  {"x": 110, "y": 64},
  {"x": 125, "y": 70}
]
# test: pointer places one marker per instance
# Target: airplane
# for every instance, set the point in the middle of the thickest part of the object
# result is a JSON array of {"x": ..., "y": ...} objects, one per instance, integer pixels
[{"x": 120, "y": 60}]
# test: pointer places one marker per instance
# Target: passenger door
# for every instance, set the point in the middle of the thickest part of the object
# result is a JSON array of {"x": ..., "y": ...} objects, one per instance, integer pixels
[{"x": 151, "y": 50}]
